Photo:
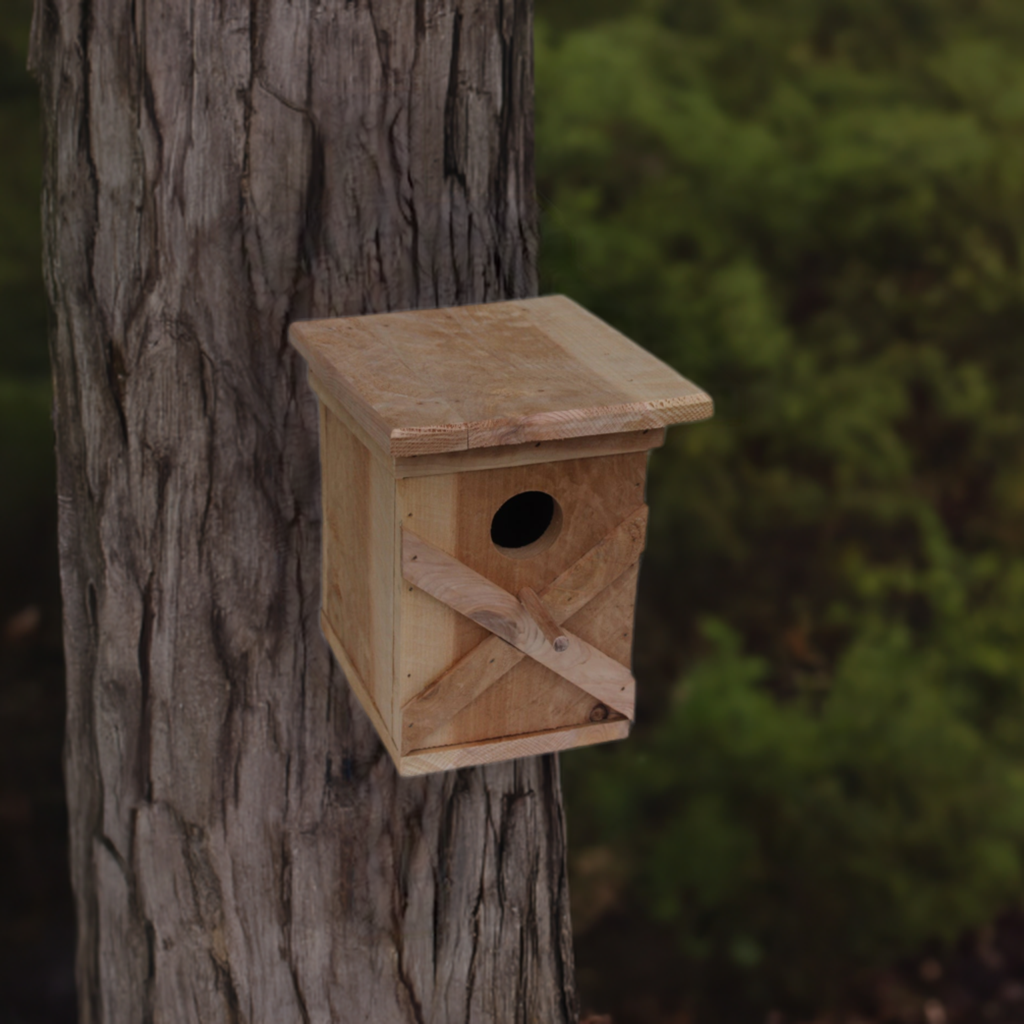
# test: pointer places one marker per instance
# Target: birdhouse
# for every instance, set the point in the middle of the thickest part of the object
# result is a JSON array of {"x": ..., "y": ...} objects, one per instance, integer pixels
[{"x": 483, "y": 474}]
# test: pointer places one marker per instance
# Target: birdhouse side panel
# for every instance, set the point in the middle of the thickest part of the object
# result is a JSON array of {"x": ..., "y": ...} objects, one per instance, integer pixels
[{"x": 358, "y": 563}]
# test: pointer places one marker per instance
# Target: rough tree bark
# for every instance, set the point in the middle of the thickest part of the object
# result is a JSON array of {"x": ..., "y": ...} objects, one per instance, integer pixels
[{"x": 241, "y": 847}]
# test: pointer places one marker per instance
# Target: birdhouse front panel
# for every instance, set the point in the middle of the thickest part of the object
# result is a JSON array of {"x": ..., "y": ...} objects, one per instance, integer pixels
[
  {"x": 484, "y": 517},
  {"x": 517, "y": 527}
]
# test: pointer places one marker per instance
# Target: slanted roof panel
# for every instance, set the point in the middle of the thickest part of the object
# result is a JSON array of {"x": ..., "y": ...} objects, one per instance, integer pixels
[{"x": 505, "y": 373}]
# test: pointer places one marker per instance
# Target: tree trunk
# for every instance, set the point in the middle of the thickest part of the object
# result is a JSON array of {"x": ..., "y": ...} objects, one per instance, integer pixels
[{"x": 241, "y": 848}]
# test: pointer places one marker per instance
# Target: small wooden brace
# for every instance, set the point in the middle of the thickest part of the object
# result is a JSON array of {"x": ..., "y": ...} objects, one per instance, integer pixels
[
  {"x": 535, "y": 607},
  {"x": 517, "y": 631}
]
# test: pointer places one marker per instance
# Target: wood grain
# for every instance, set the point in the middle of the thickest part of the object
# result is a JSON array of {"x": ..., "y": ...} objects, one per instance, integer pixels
[
  {"x": 358, "y": 558},
  {"x": 447, "y": 380},
  {"x": 439, "y": 759},
  {"x": 454, "y": 514},
  {"x": 598, "y": 568},
  {"x": 240, "y": 846},
  {"x": 492, "y": 658},
  {"x": 531, "y": 697},
  {"x": 529, "y": 599},
  {"x": 477, "y": 598},
  {"x": 531, "y": 453}
]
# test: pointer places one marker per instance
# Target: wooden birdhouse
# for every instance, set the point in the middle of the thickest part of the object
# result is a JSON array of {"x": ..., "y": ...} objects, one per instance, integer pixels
[{"x": 483, "y": 520}]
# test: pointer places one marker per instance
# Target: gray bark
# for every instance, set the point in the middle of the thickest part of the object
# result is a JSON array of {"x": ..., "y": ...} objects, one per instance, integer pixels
[{"x": 241, "y": 848}]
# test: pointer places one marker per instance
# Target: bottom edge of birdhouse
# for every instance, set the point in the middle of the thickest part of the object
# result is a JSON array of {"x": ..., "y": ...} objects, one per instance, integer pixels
[
  {"x": 508, "y": 748},
  {"x": 464, "y": 755}
]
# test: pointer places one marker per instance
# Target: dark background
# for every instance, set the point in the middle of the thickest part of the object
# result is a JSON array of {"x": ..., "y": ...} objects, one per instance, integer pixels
[
  {"x": 815, "y": 209},
  {"x": 36, "y": 919}
]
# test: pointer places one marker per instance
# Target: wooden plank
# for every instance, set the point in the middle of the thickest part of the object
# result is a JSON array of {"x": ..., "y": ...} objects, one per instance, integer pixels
[
  {"x": 528, "y": 698},
  {"x": 467, "y": 592},
  {"x": 531, "y": 698},
  {"x": 457, "y": 688},
  {"x": 346, "y": 522},
  {"x": 483, "y": 666},
  {"x": 599, "y": 568},
  {"x": 607, "y": 620},
  {"x": 439, "y": 759},
  {"x": 343, "y": 416},
  {"x": 325, "y": 574},
  {"x": 532, "y": 453},
  {"x": 509, "y": 373},
  {"x": 476, "y": 597},
  {"x": 431, "y": 636},
  {"x": 383, "y": 610},
  {"x": 359, "y": 557},
  {"x": 466, "y": 680}
]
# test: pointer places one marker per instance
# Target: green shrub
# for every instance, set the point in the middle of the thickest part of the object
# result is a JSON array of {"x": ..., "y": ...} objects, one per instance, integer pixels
[
  {"x": 793, "y": 844},
  {"x": 814, "y": 209}
]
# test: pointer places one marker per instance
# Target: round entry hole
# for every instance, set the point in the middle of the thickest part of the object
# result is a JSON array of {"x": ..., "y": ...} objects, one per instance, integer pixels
[{"x": 526, "y": 524}]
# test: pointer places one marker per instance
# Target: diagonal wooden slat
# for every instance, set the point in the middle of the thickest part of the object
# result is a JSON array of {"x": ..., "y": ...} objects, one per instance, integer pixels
[
  {"x": 467, "y": 592},
  {"x": 483, "y": 666}
]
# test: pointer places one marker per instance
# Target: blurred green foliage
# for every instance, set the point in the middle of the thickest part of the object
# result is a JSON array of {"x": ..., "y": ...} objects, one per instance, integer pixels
[{"x": 814, "y": 208}]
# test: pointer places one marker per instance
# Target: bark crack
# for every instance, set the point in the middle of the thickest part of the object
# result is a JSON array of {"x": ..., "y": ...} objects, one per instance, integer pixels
[
  {"x": 312, "y": 212},
  {"x": 407, "y": 987},
  {"x": 453, "y": 128},
  {"x": 145, "y": 656},
  {"x": 383, "y": 43},
  {"x": 226, "y": 986}
]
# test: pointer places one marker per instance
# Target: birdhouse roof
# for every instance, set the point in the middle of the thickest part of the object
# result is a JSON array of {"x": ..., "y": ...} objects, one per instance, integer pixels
[{"x": 506, "y": 373}]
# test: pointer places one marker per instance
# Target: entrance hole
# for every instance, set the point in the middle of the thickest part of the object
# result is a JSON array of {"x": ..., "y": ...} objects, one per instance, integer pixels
[{"x": 526, "y": 524}]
